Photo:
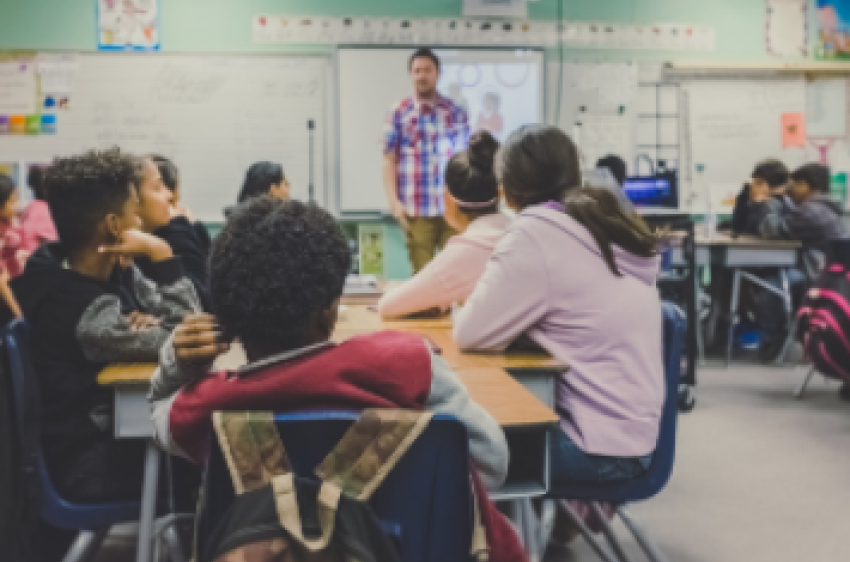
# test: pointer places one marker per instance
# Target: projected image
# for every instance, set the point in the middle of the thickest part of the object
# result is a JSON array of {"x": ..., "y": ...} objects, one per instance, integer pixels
[{"x": 499, "y": 97}]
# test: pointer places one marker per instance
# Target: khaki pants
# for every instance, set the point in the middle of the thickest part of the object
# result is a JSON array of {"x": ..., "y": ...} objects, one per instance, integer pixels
[{"x": 425, "y": 235}]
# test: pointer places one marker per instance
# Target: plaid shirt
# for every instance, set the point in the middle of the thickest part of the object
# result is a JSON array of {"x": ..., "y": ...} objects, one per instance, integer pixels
[{"x": 424, "y": 137}]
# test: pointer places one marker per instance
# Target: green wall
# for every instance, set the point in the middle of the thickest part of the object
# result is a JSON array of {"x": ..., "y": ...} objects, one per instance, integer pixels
[{"x": 225, "y": 26}]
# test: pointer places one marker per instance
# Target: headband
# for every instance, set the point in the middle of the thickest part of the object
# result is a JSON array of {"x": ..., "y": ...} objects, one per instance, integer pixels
[{"x": 472, "y": 205}]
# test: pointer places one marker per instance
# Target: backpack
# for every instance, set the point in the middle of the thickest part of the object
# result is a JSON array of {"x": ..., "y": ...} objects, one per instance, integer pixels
[
  {"x": 824, "y": 322},
  {"x": 280, "y": 517}
]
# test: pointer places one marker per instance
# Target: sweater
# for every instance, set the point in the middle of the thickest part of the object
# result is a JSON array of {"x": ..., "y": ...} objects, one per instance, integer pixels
[
  {"x": 547, "y": 279},
  {"x": 381, "y": 370},
  {"x": 451, "y": 276},
  {"x": 813, "y": 222},
  {"x": 78, "y": 326}
]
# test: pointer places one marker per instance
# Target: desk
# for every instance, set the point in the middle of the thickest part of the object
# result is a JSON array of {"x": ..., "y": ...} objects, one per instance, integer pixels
[
  {"x": 525, "y": 419},
  {"x": 742, "y": 252}
]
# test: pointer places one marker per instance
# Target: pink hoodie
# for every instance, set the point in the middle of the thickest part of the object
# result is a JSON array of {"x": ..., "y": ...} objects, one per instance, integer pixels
[
  {"x": 452, "y": 275},
  {"x": 547, "y": 278}
]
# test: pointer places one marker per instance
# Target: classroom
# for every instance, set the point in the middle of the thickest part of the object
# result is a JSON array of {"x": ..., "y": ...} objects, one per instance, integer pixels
[{"x": 409, "y": 280}]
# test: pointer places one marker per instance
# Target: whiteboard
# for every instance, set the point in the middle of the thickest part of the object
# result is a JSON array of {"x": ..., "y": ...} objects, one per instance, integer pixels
[
  {"x": 733, "y": 125},
  {"x": 213, "y": 115},
  {"x": 372, "y": 81}
]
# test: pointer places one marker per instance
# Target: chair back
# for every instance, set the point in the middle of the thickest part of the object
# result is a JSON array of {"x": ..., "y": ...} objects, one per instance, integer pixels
[
  {"x": 54, "y": 509},
  {"x": 656, "y": 477},
  {"x": 426, "y": 499}
]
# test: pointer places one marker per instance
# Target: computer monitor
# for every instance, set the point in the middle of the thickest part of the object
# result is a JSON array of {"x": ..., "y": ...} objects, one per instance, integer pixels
[{"x": 660, "y": 190}]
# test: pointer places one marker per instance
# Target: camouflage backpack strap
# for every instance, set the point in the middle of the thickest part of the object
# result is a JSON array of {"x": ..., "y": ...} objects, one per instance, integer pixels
[
  {"x": 255, "y": 457},
  {"x": 252, "y": 448},
  {"x": 370, "y": 449}
]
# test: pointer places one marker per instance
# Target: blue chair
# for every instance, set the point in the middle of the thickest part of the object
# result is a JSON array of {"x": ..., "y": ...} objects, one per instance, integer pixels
[
  {"x": 425, "y": 500},
  {"x": 654, "y": 480},
  {"x": 92, "y": 521}
]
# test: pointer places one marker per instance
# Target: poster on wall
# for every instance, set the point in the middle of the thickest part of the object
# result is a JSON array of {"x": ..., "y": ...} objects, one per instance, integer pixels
[
  {"x": 833, "y": 30},
  {"x": 128, "y": 25}
]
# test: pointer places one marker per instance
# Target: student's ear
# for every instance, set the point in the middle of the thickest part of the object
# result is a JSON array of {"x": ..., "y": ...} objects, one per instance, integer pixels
[
  {"x": 112, "y": 225},
  {"x": 328, "y": 318}
]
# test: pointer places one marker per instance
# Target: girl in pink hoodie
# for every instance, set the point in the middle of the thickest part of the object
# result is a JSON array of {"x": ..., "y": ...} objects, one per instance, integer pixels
[
  {"x": 36, "y": 222},
  {"x": 576, "y": 273},
  {"x": 472, "y": 208}
]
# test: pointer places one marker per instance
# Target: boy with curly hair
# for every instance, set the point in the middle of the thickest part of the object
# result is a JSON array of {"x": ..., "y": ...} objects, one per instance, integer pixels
[
  {"x": 277, "y": 272},
  {"x": 88, "y": 306}
]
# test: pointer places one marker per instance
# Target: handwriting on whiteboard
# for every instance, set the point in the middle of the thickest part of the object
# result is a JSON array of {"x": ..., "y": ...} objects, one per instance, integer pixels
[{"x": 185, "y": 85}]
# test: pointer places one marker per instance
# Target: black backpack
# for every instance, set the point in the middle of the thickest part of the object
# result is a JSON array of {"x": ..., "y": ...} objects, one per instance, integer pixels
[
  {"x": 824, "y": 318},
  {"x": 20, "y": 490}
]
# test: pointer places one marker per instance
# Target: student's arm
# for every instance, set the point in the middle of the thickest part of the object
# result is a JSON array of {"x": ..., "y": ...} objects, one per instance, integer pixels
[
  {"x": 511, "y": 296},
  {"x": 740, "y": 213},
  {"x": 107, "y": 336},
  {"x": 440, "y": 284},
  {"x": 200, "y": 343},
  {"x": 487, "y": 444},
  {"x": 773, "y": 224},
  {"x": 168, "y": 293},
  {"x": 8, "y": 296}
]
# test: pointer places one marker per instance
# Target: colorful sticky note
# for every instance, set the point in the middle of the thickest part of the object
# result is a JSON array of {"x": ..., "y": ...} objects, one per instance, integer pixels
[
  {"x": 18, "y": 124},
  {"x": 49, "y": 102},
  {"x": 48, "y": 124},
  {"x": 793, "y": 129},
  {"x": 33, "y": 124},
  {"x": 4, "y": 125}
]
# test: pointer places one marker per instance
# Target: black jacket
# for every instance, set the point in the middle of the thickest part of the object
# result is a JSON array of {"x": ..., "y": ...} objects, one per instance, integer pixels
[
  {"x": 191, "y": 242},
  {"x": 78, "y": 326}
]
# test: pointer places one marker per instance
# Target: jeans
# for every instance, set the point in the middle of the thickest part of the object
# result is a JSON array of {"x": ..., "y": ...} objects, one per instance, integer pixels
[{"x": 569, "y": 464}]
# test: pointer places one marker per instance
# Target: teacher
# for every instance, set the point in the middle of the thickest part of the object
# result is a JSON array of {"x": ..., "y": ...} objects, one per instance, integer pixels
[{"x": 422, "y": 133}]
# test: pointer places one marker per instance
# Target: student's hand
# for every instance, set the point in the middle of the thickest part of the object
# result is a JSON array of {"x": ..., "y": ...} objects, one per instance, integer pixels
[
  {"x": 140, "y": 322},
  {"x": 135, "y": 243},
  {"x": 199, "y": 341},
  {"x": 400, "y": 215}
]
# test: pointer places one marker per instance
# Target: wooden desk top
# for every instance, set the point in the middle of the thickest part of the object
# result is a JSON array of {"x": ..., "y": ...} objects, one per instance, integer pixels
[
  {"x": 496, "y": 391},
  {"x": 360, "y": 320}
]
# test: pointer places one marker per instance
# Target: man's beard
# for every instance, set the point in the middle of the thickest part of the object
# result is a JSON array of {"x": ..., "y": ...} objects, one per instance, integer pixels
[{"x": 430, "y": 92}]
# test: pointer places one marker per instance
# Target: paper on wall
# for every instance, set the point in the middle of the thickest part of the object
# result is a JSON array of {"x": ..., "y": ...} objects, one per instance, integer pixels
[
  {"x": 17, "y": 88},
  {"x": 786, "y": 27},
  {"x": 826, "y": 108}
]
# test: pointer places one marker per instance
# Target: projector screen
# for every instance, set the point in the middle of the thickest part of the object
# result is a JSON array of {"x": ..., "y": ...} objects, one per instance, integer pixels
[{"x": 500, "y": 89}]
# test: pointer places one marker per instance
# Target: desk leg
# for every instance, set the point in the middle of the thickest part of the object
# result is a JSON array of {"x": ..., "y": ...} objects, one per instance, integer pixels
[
  {"x": 528, "y": 528},
  {"x": 148, "y": 513},
  {"x": 733, "y": 309}
]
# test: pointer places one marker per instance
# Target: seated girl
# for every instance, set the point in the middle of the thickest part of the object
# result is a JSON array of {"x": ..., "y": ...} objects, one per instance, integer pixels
[
  {"x": 472, "y": 208},
  {"x": 577, "y": 275},
  {"x": 263, "y": 178}
]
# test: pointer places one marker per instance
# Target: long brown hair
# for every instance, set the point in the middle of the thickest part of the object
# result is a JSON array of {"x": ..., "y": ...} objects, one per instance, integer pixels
[{"x": 540, "y": 163}]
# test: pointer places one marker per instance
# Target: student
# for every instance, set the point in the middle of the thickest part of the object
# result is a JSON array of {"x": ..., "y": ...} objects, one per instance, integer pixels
[
  {"x": 12, "y": 255},
  {"x": 36, "y": 222},
  {"x": 616, "y": 166},
  {"x": 263, "y": 178},
  {"x": 164, "y": 216},
  {"x": 277, "y": 272},
  {"x": 472, "y": 208},
  {"x": 576, "y": 274},
  {"x": 769, "y": 179},
  {"x": 87, "y": 307},
  {"x": 804, "y": 213}
]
